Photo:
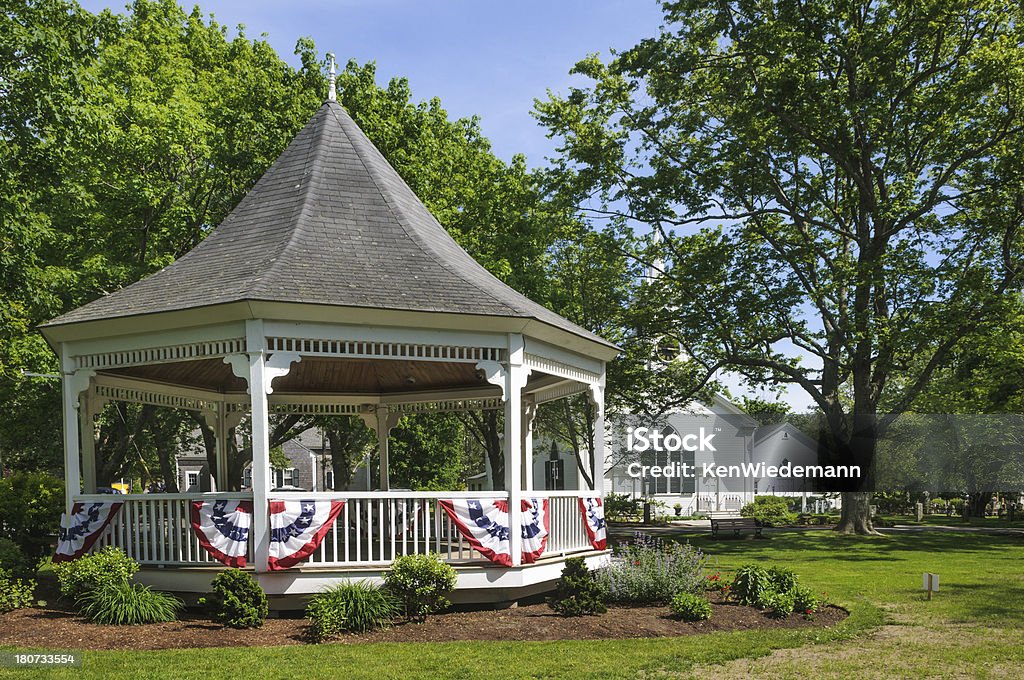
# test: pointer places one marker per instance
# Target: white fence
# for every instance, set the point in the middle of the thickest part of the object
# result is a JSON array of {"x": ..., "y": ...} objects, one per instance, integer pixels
[{"x": 371, "y": 530}]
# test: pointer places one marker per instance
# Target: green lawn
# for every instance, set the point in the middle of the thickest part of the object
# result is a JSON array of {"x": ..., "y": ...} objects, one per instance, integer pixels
[{"x": 973, "y": 627}]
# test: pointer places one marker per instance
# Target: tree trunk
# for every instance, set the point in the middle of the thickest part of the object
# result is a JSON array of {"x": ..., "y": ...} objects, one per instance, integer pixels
[{"x": 856, "y": 514}]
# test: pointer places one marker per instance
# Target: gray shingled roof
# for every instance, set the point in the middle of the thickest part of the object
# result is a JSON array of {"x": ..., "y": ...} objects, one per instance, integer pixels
[{"x": 331, "y": 222}]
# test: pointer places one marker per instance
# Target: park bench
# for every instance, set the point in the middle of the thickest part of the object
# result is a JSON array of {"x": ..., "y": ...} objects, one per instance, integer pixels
[{"x": 735, "y": 524}]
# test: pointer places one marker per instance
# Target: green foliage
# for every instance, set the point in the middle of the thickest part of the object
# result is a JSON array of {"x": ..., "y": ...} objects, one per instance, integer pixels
[
  {"x": 774, "y": 588},
  {"x": 421, "y": 582},
  {"x": 94, "y": 570},
  {"x": 770, "y": 511},
  {"x": 14, "y": 561},
  {"x": 355, "y": 607},
  {"x": 649, "y": 570},
  {"x": 782, "y": 578},
  {"x": 128, "y": 604},
  {"x": 779, "y": 603},
  {"x": 31, "y": 504},
  {"x": 15, "y": 593},
  {"x": 806, "y": 603},
  {"x": 427, "y": 452},
  {"x": 618, "y": 507},
  {"x": 237, "y": 600},
  {"x": 690, "y": 607},
  {"x": 578, "y": 593},
  {"x": 750, "y": 583}
]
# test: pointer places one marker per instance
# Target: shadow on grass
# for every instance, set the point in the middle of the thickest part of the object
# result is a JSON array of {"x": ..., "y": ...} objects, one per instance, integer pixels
[{"x": 826, "y": 544}]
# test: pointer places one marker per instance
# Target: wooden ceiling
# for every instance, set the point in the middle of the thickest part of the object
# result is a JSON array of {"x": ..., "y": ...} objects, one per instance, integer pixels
[{"x": 317, "y": 375}]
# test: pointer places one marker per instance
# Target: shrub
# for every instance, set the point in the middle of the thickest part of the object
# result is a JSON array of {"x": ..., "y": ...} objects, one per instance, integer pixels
[
  {"x": 577, "y": 592},
  {"x": 13, "y": 560},
  {"x": 649, "y": 570},
  {"x": 781, "y": 579},
  {"x": 355, "y": 607},
  {"x": 806, "y": 602},
  {"x": 421, "y": 582},
  {"x": 770, "y": 511},
  {"x": 237, "y": 600},
  {"x": 750, "y": 583},
  {"x": 778, "y": 603},
  {"x": 15, "y": 593},
  {"x": 128, "y": 604},
  {"x": 31, "y": 504},
  {"x": 619, "y": 507},
  {"x": 690, "y": 607},
  {"x": 89, "y": 572}
]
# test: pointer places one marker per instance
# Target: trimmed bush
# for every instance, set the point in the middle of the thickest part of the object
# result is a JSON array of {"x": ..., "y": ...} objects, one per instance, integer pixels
[
  {"x": 31, "y": 504},
  {"x": 13, "y": 560},
  {"x": 770, "y": 511},
  {"x": 649, "y": 570},
  {"x": 128, "y": 604},
  {"x": 237, "y": 600},
  {"x": 577, "y": 592},
  {"x": 90, "y": 572},
  {"x": 421, "y": 582},
  {"x": 15, "y": 593},
  {"x": 750, "y": 584},
  {"x": 690, "y": 607},
  {"x": 355, "y": 607}
]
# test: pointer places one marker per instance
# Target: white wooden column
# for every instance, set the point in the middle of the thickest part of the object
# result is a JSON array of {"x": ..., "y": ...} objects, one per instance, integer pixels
[
  {"x": 529, "y": 414},
  {"x": 381, "y": 420},
  {"x": 515, "y": 380},
  {"x": 597, "y": 399},
  {"x": 88, "y": 406},
  {"x": 262, "y": 371},
  {"x": 73, "y": 383}
]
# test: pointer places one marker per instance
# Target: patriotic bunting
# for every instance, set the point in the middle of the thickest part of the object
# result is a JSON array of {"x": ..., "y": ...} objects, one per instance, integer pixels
[
  {"x": 297, "y": 529},
  {"x": 222, "y": 528},
  {"x": 485, "y": 525},
  {"x": 593, "y": 520},
  {"x": 80, "y": 531},
  {"x": 536, "y": 526}
]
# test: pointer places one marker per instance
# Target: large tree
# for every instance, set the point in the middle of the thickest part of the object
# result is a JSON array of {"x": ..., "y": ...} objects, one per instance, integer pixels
[{"x": 837, "y": 187}]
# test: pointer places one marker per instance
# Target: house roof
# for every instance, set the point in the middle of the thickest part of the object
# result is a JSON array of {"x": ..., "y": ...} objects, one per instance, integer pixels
[{"x": 331, "y": 223}]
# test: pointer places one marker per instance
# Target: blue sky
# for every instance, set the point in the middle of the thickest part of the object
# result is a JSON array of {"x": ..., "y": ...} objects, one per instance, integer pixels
[{"x": 482, "y": 58}]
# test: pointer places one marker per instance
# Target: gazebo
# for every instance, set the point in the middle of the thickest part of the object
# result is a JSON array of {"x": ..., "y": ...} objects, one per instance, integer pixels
[{"x": 331, "y": 289}]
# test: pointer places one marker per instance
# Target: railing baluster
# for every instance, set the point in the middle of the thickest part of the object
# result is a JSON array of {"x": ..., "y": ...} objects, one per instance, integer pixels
[
  {"x": 359, "y": 531},
  {"x": 380, "y": 532}
]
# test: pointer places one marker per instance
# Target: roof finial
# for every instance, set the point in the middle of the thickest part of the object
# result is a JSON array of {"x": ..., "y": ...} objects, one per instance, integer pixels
[{"x": 332, "y": 93}]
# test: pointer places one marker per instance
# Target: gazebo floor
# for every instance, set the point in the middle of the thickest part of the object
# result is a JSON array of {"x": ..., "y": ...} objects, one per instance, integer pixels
[{"x": 479, "y": 581}]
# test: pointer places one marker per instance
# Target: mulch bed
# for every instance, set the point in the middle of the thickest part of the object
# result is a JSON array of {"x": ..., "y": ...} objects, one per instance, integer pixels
[{"x": 53, "y": 627}]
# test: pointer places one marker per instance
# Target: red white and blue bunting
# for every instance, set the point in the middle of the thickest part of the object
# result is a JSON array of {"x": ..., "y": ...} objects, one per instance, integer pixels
[
  {"x": 485, "y": 526},
  {"x": 297, "y": 528},
  {"x": 80, "y": 531},
  {"x": 222, "y": 528},
  {"x": 593, "y": 521}
]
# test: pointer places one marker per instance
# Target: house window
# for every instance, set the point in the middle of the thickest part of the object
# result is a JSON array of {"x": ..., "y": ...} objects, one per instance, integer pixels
[
  {"x": 329, "y": 480},
  {"x": 247, "y": 478},
  {"x": 286, "y": 477},
  {"x": 673, "y": 460},
  {"x": 191, "y": 480}
]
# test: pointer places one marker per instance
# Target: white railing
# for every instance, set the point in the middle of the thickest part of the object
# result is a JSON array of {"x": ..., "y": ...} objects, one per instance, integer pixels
[
  {"x": 156, "y": 529},
  {"x": 375, "y": 527},
  {"x": 566, "y": 533},
  {"x": 371, "y": 530}
]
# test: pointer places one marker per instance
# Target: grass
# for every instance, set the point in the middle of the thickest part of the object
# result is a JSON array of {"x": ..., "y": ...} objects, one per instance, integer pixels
[{"x": 973, "y": 626}]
